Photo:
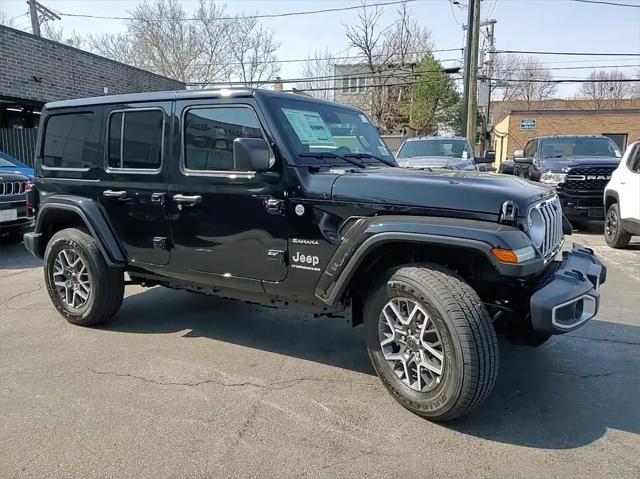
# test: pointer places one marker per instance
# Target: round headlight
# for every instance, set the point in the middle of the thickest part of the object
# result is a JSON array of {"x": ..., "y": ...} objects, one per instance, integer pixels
[{"x": 536, "y": 227}]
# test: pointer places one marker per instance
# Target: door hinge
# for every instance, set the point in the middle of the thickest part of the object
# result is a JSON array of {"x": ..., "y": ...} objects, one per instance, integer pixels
[
  {"x": 277, "y": 255},
  {"x": 157, "y": 199},
  {"x": 274, "y": 206},
  {"x": 160, "y": 242}
]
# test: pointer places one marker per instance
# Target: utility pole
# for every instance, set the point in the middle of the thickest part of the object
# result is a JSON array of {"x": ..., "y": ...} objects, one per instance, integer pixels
[
  {"x": 487, "y": 70},
  {"x": 39, "y": 13},
  {"x": 35, "y": 22},
  {"x": 470, "y": 103}
]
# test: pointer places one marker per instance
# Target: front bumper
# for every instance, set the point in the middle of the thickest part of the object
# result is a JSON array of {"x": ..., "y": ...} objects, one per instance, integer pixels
[
  {"x": 571, "y": 297},
  {"x": 582, "y": 206},
  {"x": 21, "y": 224}
]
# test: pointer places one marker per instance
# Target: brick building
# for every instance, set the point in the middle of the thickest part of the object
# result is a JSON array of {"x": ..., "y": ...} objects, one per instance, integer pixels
[
  {"x": 518, "y": 126},
  {"x": 36, "y": 70}
]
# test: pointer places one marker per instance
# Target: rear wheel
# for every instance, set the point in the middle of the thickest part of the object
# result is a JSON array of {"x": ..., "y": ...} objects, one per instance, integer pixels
[
  {"x": 431, "y": 342},
  {"x": 614, "y": 233},
  {"x": 82, "y": 287}
]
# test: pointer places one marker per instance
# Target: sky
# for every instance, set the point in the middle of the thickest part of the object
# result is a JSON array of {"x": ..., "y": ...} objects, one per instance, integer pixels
[{"x": 541, "y": 25}]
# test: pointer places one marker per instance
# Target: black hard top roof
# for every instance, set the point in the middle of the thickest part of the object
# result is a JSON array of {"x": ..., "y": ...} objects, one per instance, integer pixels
[{"x": 236, "y": 92}]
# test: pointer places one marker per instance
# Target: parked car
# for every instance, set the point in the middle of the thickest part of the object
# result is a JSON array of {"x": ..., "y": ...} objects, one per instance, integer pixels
[
  {"x": 293, "y": 202},
  {"x": 9, "y": 164},
  {"x": 578, "y": 167},
  {"x": 436, "y": 152},
  {"x": 507, "y": 167},
  {"x": 16, "y": 216},
  {"x": 622, "y": 200}
]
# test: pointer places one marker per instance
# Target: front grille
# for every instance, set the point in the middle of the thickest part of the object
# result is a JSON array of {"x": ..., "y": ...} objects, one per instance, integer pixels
[
  {"x": 12, "y": 188},
  {"x": 588, "y": 177},
  {"x": 551, "y": 212}
]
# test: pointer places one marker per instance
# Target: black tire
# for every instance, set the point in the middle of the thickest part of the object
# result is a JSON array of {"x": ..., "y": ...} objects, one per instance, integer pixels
[
  {"x": 614, "y": 233},
  {"x": 107, "y": 284},
  {"x": 469, "y": 343}
]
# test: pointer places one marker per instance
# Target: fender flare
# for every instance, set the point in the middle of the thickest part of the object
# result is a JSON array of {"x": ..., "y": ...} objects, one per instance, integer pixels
[
  {"x": 479, "y": 236},
  {"x": 610, "y": 194},
  {"x": 93, "y": 218}
]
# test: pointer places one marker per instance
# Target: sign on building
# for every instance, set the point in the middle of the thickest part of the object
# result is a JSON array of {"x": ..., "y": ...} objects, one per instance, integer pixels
[{"x": 528, "y": 124}]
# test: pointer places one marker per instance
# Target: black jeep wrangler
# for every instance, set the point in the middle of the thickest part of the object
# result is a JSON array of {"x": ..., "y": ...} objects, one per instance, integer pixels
[{"x": 288, "y": 201}]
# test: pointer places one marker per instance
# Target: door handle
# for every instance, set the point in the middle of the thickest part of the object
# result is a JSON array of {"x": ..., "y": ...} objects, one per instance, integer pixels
[
  {"x": 188, "y": 200},
  {"x": 118, "y": 195}
]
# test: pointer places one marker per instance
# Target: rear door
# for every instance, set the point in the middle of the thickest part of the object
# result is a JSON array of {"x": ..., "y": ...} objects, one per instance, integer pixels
[
  {"x": 134, "y": 191},
  {"x": 225, "y": 223}
]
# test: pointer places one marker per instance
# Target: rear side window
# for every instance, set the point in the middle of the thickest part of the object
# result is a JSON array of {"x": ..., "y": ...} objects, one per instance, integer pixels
[
  {"x": 209, "y": 135},
  {"x": 135, "y": 140},
  {"x": 71, "y": 141}
]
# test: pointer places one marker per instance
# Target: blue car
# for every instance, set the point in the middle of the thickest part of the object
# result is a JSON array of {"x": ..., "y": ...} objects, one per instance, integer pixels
[{"x": 8, "y": 164}]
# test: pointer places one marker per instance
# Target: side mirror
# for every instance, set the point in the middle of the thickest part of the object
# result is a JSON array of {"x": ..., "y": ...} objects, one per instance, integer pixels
[
  {"x": 465, "y": 155},
  {"x": 518, "y": 157},
  {"x": 251, "y": 154}
]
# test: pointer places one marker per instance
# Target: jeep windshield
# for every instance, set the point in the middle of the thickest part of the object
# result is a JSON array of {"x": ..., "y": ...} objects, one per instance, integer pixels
[
  {"x": 330, "y": 134},
  {"x": 567, "y": 147}
]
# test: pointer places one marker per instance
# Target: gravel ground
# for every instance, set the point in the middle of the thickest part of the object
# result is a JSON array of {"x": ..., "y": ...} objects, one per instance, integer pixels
[{"x": 182, "y": 385}]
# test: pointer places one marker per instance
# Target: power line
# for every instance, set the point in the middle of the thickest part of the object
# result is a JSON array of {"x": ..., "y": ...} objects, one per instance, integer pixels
[
  {"x": 395, "y": 74},
  {"x": 347, "y": 57},
  {"x": 592, "y": 54},
  {"x": 601, "y": 2},
  {"x": 266, "y": 15}
]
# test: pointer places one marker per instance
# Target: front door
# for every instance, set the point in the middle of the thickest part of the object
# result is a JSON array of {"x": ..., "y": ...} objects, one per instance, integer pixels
[
  {"x": 134, "y": 193},
  {"x": 225, "y": 223}
]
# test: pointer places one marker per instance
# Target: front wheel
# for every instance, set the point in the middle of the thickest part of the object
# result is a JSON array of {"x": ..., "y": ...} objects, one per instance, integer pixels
[
  {"x": 614, "y": 233},
  {"x": 431, "y": 342}
]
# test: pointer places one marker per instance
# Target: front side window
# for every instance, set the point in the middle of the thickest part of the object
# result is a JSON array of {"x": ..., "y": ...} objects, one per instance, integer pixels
[
  {"x": 567, "y": 147},
  {"x": 312, "y": 127},
  {"x": 135, "y": 139},
  {"x": 530, "y": 149},
  {"x": 71, "y": 141},
  {"x": 209, "y": 134}
]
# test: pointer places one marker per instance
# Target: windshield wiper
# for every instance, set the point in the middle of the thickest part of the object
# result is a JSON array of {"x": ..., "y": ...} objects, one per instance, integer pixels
[
  {"x": 325, "y": 155},
  {"x": 369, "y": 155}
]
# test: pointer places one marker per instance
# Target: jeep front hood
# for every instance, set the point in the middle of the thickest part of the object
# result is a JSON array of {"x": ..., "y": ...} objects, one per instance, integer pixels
[{"x": 468, "y": 191}]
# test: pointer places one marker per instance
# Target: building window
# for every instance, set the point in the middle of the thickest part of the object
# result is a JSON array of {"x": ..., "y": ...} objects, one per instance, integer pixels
[
  {"x": 135, "y": 140},
  {"x": 209, "y": 134},
  {"x": 353, "y": 84}
]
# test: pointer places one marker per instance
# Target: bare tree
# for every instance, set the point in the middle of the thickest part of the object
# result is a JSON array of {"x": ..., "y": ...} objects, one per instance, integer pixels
[
  {"x": 6, "y": 20},
  {"x": 606, "y": 88},
  {"x": 57, "y": 34},
  {"x": 388, "y": 54},
  {"x": 204, "y": 46},
  {"x": 523, "y": 78},
  {"x": 252, "y": 49},
  {"x": 118, "y": 47},
  {"x": 318, "y": 71}
]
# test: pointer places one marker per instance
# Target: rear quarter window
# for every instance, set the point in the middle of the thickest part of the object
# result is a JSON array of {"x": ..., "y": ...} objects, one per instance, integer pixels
[{"x": 71, "y": 141}]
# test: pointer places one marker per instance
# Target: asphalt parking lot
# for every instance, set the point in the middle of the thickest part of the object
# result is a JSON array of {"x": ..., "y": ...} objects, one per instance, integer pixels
[{"x": 183, "y": 385}]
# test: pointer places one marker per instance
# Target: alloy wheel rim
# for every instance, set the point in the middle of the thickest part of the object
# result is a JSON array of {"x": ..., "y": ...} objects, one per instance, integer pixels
[
  {"x": 411, "y": 344},
  {"x": 71, "y": 279},
  {"x": 611, "y": 224}
]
